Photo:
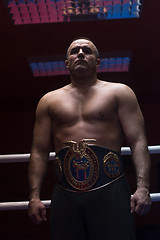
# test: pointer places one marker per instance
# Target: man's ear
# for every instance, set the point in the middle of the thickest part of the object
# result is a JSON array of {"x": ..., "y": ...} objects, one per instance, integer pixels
[
  {"x": 98, "y": 62},
  {"x": 66, "y": 63}
]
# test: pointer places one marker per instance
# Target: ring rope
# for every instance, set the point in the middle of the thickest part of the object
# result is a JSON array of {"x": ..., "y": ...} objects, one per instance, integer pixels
[
  {"x": 10, "y": 158},
  {"x": 7, "y": 206}
]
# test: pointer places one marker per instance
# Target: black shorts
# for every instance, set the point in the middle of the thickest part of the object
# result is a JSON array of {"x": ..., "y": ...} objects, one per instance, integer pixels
[{"x": 103, "y": 214}]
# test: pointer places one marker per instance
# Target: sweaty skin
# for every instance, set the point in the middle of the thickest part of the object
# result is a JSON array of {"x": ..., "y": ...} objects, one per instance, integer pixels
[{"x": 88, "y": 108}]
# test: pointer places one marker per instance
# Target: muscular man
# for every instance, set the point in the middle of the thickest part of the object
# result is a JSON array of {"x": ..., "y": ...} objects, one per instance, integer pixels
[{"x": 87, "y": 121}]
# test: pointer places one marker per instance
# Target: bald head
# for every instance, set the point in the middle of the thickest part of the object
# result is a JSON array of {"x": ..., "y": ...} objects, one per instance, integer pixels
[{"x": 84, "y": 40}]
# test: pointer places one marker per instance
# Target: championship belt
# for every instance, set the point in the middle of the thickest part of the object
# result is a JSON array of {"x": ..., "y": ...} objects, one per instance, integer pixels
[
  {"x": 80, "y": 165},
  {"x": 83, "y": 167}
]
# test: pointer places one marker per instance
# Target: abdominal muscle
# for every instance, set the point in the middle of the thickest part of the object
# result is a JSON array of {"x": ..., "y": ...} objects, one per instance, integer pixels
[{"x": 108, "y": 135}]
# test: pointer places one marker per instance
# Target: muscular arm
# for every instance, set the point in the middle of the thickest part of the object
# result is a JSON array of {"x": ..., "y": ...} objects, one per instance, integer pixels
[
  {"x": 38, "y": 161},
  {"x": 133, "y": 126}
]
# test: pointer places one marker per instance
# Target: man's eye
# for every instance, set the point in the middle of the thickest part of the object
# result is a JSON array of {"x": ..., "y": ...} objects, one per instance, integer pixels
[
  {"x": 73, "y": 51},
  {"x": 88, "y": 50}
]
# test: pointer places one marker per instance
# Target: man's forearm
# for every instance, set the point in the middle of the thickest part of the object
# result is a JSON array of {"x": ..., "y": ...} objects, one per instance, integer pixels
[
  {"x": 141, "y": 159},
  {"x": 36, "y": 172}
]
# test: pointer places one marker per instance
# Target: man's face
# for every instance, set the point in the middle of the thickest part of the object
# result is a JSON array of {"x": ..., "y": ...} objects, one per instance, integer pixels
[{"x": 81, "y": 56}]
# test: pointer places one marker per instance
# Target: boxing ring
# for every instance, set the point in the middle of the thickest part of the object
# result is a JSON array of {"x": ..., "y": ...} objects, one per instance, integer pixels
[{"x": 17, "y": 158}]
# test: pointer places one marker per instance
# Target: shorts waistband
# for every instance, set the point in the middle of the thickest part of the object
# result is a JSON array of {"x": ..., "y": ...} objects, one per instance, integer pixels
[{"x": 87, "y": 167}]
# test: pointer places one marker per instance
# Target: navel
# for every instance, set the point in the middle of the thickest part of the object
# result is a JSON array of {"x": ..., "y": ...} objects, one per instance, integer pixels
[{"x": 101, "y": 114}]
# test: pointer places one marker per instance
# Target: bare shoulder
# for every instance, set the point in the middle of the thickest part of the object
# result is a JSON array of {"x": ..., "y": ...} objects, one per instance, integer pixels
[
  {"x": 51, "y": 98},
  {"x": 115, "y": 86},
  {"x": 53, "y": 95},
  {"x": 119, "y": 90}
]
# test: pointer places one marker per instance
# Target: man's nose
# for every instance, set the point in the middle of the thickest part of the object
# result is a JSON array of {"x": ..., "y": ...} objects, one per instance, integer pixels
[{"x": 80, "y": 53}]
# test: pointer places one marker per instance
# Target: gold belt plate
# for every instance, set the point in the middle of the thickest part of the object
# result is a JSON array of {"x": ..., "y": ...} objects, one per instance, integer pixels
[
  {"x": 81, "y": 167},
  {"x": 111, "y": 165}
]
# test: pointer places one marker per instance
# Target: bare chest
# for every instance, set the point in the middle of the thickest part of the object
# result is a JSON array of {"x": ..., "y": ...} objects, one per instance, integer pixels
[{"x": 87, "y": 108}]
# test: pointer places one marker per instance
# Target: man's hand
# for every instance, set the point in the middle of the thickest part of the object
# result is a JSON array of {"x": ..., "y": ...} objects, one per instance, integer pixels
[
  {"x": 140, "y": 201},
  {"x": 36, "y": 211}
]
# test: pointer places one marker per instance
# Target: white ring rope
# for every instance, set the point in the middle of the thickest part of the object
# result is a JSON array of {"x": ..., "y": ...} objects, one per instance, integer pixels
[
  {"x": 10, "y": 158},
  {"x": 7, "y": 206}
]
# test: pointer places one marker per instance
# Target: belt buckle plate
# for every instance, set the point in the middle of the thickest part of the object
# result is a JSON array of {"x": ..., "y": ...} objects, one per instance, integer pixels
[{"x": 81, "y": 167}]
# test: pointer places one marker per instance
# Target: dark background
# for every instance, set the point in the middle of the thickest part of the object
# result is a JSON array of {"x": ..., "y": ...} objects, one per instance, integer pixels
[{"x": 20, "y": 93}]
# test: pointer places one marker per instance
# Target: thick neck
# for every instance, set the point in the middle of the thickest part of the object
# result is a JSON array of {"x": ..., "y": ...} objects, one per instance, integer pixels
[{"x": 83, "y": 83}]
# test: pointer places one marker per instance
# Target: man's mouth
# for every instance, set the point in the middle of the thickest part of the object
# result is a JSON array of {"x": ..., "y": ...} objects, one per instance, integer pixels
[{"x": 80, "y": 61}]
